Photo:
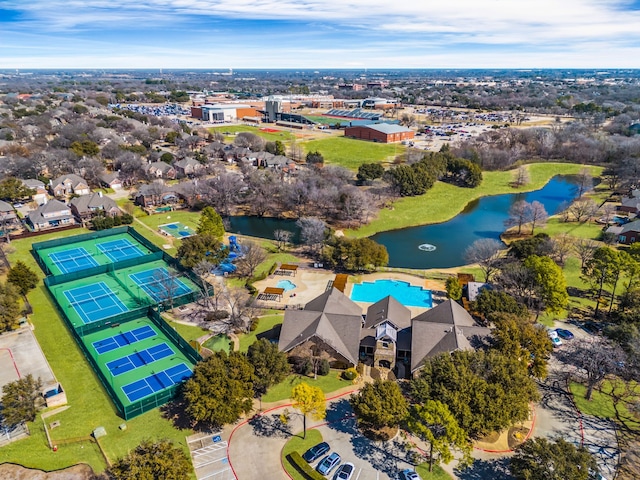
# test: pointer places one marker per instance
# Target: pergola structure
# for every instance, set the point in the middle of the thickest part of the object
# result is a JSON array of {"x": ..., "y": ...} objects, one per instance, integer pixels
[
  {"x": 272, "y": 293},
  {"x": 287, "y": 269}
]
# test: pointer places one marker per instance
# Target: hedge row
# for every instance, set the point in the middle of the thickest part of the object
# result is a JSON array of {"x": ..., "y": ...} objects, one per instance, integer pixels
[{"x": 303, "y": 467}]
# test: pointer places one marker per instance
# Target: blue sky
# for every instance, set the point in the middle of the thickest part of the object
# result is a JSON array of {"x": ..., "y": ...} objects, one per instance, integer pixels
[{"x": 217, "y": 34}]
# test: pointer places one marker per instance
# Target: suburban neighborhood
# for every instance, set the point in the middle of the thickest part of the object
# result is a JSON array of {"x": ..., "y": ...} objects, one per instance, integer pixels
[{"x": 344, "y": 280}]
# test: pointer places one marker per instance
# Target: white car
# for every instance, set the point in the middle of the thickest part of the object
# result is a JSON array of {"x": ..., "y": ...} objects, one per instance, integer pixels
[
  {"x": 345, "y": 472},
  {"x": 555, "y": 339}
]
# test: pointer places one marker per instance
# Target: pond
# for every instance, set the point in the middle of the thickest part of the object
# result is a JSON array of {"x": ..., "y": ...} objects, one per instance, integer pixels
[
  {"x": 442, "y": 245},
  {"x": 262, "y": 227}
]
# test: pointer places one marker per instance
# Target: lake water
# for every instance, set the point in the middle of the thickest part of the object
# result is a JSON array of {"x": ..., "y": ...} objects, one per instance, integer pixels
[
  {"x": 484, "y": 218},
  {"x": 262, "y": 227}
]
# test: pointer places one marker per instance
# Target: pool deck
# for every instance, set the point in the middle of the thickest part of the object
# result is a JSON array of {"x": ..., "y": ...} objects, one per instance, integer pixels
[{"x": 311, "y": 282}]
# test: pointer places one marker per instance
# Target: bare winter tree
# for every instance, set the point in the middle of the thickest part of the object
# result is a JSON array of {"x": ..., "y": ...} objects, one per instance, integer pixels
[
  {"x": 312, "y": 232},
  {"x": 518, "y": 215},
  {"x": 561, "y": 246},
  {"x": 583, "y": 209},
  {"x": 596, "y": 358},
  {"x": 252, "y": 256},
  {"x": 585, "y": 248},
  {"x": 537, "y": 215},
  {"x": 486, "y": 253},
  {"x": 521, "y": 177},
  {"x": 584, "y": 181},
  {"x": 167, "y": 286},
  {"x": 241, "y": 308},
  {"x": 203, "y": 269},
  {"x": 282, "y": 237}
]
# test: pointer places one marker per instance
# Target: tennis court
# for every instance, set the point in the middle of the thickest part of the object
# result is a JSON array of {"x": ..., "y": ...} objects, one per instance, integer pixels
[
  {"x": 177, "y": 230},
  {"x": 120, "y": 249},
  {"x": 90, "y": 252},
  {"x": 73, "y": 260},
  {"x": 159, "y": 284},
  {"x": 125, "y": 338},
  {"x": 139, "y": 358},
  {"x": 94, "y": 302},
  {"x": 156, "y": 382}
]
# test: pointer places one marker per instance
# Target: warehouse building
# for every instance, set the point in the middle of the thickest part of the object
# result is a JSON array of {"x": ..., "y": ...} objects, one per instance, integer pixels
[{"x": 380, "y": 132}]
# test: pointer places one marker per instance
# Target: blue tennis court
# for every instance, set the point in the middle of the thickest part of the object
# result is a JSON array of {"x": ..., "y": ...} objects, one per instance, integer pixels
[
  {"x": 156, "y": 382},
  {"x": 121, "y": 249},
  {"x": 159, "y": 284},
  {"x": 94, "y": 302},
  {"x": 123, "y": 338},
  {"x": 138, "y": 359},
  {"x": 73, "y": 260}
]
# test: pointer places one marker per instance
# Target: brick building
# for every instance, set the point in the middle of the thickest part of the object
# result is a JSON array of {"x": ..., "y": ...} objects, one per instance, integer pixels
[{"x": 382, "y": 132}]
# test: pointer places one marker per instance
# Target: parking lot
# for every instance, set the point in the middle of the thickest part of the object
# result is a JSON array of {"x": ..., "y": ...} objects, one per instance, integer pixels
[{"x": 209, "y": 457}]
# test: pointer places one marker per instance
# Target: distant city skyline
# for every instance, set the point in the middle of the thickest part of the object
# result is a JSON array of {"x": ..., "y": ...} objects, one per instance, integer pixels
[{"x": 307, "y": 34}]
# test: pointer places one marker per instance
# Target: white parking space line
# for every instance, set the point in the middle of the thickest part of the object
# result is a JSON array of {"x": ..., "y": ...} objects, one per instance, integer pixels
[{"x": 359, "y": 472}]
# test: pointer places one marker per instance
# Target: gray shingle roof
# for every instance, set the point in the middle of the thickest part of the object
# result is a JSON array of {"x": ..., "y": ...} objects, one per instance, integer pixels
[
  {"x": 332, "y": 317},
  {"x": 71, "y": 177},
  {"x": 390, "y": 309},
  {"x": 88, "y": 203},
  {"x": 631, "y": 227}
]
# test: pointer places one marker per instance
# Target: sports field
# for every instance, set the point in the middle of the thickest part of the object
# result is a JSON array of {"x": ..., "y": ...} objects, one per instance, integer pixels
[
  {"x": 91, "y": 253},
  {"x": 137, "y": 359}
]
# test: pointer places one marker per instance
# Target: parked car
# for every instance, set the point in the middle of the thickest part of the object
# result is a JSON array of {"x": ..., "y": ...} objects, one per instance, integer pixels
[
  {"x": 328, "y": 463},
  {"x": 345, "y": 471},
  {"x": 316, "y": 452},
  {"x": 564, "y": 334},
  {"x": 555, "y": 339},
  {"x": 408, "y": 474},
  {"x": 592, "y": 328}
]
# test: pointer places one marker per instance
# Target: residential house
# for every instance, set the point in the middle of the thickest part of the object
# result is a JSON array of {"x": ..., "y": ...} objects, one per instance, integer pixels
[
  {"x": 628, "y": 233},
  {"x": 161, "y": 170},
  {"x": 188, "y": 167},
  {"x": 630, "y": 206},
  {"x": 444, "y": 328},
  {"x": 50, "y": 215},
  {"x": 40, "y": 197},
  {"x": 69, "y": 184},
  {"x": 85, "y": 207},
  {"x": 331, "y": 326},
  {"x": 8, "y": 219},
  {"x": 111, "y": 180},
  {"x": 328, "y": 327},
  {"x": 155, "y": 194}
]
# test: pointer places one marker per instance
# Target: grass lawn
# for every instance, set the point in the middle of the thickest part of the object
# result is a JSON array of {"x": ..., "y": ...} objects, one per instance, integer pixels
[
  {"x": 264, "y": 325},
  {"x": 586, "y": 230},
  {"x": 603, "y": 403},
  {"x": 218, "y": 343},
  {"x": 188, "y": 332},
  {"x": 183, "y": 216},
  {"x": 137, "y": 209},
  {"x": 445, "y": 201},
  {"x": 351, "y": 153},
  {"x": 437, "y": 474},
  {"x": 328, "y": 383},
  {"x": 300, "y": 445},
  {"x": 89, "y": 404},
  {"x": 282, "y": 135}
]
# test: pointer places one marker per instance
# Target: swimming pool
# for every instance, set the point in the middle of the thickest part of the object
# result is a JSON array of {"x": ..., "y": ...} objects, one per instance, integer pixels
[
  {"x": 407, "y": 294},
  {"x": 286, "y": 284}
]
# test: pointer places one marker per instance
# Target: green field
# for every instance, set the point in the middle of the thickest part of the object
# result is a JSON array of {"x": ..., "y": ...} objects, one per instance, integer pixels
[
  {"x": 218, "y": 343},
  {"x": 265, "y": 324},
  {"x": 300, "y": 445},
  {"x": 604, "y": 404},
  {"x": 444, "y": 201},
  {"x": 89, "y": 405},
  {"x": 351, "y": 153},
  {"x": 327, "y": 383},
  {"x": 282, "y": 135}
]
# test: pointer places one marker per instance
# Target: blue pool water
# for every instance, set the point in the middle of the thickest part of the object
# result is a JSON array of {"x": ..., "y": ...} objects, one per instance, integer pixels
[
  {"x": 286, "y": 284},
  {"x": 407, "y": 294}
]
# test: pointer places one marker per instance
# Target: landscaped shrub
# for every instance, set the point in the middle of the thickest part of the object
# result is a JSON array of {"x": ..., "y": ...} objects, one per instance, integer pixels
[
  {"x": 254, "y": 324},
  {"x": 304, "y": 367},
  {"x": 324, "y": 367},
  {"x": 303, "y": 467},
  {"x": 273, "y": 268},
  {"x": 216, "y": 315},
  {"x": 350, "y": 374}
]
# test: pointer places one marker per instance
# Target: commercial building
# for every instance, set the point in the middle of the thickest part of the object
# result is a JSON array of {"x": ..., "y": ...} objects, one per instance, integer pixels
[{"x": 380, "y": 132}]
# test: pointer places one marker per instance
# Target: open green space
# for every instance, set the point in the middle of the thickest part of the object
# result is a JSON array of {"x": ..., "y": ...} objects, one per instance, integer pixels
[
  {"x": 89, "y": 404},
  {"x": 282, "y": 135},
  {"x": 265, "y": 324},
  {"x": 437, "y": 474},
  {"x": 327, "y": 383},
  {"x": 188, "y": 332},
  {"x": 326, "y": 120},
  {"x": 300, "y": 445},
  {"x": 137, "y": 210},
  {"x": 556, "y": 226},
  {"x": 183, "y": 216},
  {"x": 351, "y": 153},
  {"x": 611, "y": 400},
  {"x": 218, "y": 343},
  {"x": 444, "y": 201}
]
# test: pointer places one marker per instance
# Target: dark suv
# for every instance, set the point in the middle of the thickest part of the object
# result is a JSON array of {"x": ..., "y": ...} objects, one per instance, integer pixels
[{"x": 316, "y": 452}]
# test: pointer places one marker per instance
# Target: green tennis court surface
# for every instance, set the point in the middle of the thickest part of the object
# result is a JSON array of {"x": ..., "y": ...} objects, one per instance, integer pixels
[
  {"x": 177, "y": 230},
  {"x": 148, "y": 364},
  {"x": 91, "y": 253}
]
